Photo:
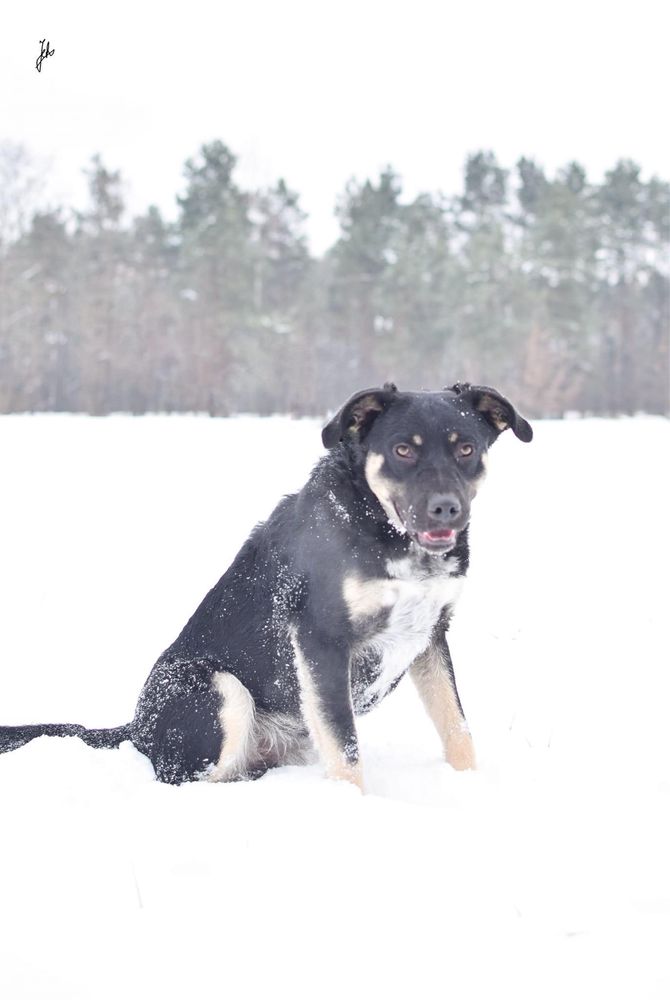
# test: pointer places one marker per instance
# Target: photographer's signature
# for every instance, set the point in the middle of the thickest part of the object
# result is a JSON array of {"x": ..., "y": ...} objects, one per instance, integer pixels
[{"x": 44, "y": 52}]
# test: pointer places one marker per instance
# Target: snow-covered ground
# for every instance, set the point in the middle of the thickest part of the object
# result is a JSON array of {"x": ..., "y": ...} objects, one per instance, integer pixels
[{"x": 544, "y": 874}]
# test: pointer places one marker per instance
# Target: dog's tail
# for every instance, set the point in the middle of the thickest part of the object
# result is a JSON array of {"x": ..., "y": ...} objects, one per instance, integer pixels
[{"x": 13, "y": 737}]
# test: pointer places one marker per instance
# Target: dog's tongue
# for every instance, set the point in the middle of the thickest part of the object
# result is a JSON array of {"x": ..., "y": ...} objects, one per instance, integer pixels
[{"x": 439, "y": 535}]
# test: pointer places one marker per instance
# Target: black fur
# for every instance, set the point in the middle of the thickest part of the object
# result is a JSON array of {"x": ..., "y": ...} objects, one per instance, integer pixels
[{"x": 285, "y": 594}]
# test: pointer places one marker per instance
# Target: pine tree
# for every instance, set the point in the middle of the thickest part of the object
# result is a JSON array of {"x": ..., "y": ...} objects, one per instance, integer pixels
[
  {"x": 485, "y": 309},
  {"x": 628, "y": 212},
  {"x": 216, "y": 264},
  {"x": 557, "y": 256},
  {"x": 100, "y": 288},
  {"x": 159, "y": 368},
  {"x": 279, "y": 359},
  {"x": 369, "y": 216}
]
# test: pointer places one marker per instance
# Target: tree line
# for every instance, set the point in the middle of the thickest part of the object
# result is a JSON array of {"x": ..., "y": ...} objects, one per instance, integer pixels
[{"x": 553, "y": 288}]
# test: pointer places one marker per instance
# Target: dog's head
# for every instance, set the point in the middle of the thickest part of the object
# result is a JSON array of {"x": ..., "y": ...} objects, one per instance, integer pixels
[{"x": 423, "y": 453}]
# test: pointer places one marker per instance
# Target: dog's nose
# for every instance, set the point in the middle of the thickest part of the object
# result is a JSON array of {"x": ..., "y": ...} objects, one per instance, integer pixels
[{"x": 444, "y": 507}]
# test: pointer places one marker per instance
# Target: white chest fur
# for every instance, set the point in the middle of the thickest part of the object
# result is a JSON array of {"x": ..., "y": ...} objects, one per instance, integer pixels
[{"x": 414, "y": 598}]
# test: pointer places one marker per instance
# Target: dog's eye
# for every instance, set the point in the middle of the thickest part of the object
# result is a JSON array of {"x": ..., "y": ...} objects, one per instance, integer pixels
[
  {"x": 465, "y": 450},
  {"x": 403, "y": 451}
]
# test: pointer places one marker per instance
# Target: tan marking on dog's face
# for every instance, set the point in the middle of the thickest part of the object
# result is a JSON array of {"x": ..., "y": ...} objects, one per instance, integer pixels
[
  {"x": 237, "y": 714},
  {"x": 453, "y": 437},
  {"x": 382, "y": 487},
  {"x": 417, "y": 439},
  {"x": 336, "y": 764},
  {"x": 474, "y": 484},
  {"x": 437, "y": 693}
]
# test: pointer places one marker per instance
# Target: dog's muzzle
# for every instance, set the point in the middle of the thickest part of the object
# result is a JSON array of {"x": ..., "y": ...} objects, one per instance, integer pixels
[{"x": 444, "y": 515}]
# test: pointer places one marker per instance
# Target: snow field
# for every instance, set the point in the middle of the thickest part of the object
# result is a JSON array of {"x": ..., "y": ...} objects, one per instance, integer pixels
[{"x": 543, "y": 874}]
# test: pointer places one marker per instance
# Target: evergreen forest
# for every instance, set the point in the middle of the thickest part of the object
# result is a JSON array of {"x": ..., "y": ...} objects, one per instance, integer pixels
[{"x": 555, "y": 289}]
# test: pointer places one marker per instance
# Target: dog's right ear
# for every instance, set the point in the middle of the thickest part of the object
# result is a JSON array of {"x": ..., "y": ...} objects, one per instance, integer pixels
[{"x": 357, "y": 415}]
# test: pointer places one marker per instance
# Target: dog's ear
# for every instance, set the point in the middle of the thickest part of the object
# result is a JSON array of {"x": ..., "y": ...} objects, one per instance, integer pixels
[
  {"x": 357, "y": 414},
  {"x": 498, "y": 411}
]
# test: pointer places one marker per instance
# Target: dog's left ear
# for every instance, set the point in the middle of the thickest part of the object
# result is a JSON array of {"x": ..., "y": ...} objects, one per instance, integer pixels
[
  {"x": 498, "y": 411},
  {"x": 357, "y": 414}
]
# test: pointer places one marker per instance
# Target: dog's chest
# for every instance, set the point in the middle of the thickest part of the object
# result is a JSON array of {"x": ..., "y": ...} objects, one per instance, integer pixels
[{"x": 407, "y": 604}]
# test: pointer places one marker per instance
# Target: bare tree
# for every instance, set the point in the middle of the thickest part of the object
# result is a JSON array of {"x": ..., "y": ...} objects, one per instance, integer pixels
[{"x": 21, "y": 189}]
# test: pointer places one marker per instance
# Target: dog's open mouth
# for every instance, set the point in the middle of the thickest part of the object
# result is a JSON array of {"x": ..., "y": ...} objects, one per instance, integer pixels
[
  {"x": 440, "y": 538},
  {"x": 436, "y": 540}
]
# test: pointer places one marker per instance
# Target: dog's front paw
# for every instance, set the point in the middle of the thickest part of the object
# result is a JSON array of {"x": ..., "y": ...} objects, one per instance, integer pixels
[
  {"x": 343, "y": 771},
  {"x": 460, "y": 752}
]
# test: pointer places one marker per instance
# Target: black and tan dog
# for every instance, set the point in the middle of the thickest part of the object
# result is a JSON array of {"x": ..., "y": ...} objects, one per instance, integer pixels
[{"x": 349, "y": 584}]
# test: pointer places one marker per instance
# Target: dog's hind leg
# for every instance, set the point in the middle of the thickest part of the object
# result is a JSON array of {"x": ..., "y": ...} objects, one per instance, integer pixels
[
  {"x": 177, "y": 722},
  {"x": 237, "y": 715},
  {"x": 195, "y": 722}
]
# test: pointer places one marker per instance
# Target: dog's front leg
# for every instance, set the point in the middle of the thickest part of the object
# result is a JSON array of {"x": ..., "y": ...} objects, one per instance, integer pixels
[
  {"x": 433, "y": 674},
  {"x": 322, "y": 667}
]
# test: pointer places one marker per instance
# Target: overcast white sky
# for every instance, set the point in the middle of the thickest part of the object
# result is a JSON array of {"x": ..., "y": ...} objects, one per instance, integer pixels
[{"x": 319, "y": 91}]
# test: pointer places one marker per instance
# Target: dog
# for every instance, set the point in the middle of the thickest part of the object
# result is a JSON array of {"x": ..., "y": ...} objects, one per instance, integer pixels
[{"x": 348, "y": 585}]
